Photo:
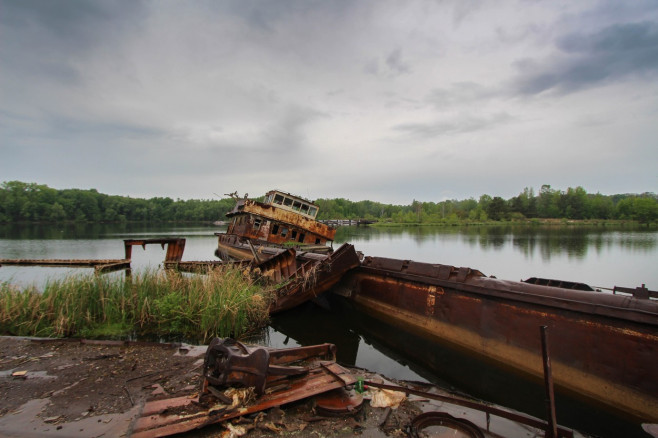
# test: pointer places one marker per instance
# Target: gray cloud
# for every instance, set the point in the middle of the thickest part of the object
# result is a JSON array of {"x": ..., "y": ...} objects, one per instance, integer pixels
[
  {"x": 383, "y": 100},
  {"x": 586, "y": 60},
  {"x": 461, "y": 125}
]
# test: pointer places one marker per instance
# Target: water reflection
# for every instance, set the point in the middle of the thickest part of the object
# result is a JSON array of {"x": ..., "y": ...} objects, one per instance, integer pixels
[
  {"x": 529, "y": 240},
  {"x": 598, "y": 255},
  {"x": 97, "y": 231}
]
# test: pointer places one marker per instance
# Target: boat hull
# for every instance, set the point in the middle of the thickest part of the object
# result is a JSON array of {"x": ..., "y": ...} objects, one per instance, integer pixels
[
  {"x": 602, "y": 346},
  {"x": 234, "y": 247}
]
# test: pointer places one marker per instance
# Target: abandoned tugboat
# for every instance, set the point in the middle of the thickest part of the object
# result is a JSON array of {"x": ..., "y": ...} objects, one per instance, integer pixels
[
  {"x": 282, "y": 237},
  {"x": 260, "y": 230},
  {"x": 603, "y": 346}
]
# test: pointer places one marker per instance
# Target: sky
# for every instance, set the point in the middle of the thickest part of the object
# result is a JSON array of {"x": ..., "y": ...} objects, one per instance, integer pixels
[{"x": 386, "y": 100}]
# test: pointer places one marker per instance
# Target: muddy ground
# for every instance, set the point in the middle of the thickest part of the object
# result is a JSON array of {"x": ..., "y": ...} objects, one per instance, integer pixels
[
  {"x": 79, "y": 388},
  {"x": 91, "y": 388}
]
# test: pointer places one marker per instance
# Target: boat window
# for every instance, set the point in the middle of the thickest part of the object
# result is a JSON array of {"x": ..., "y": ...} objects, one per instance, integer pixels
[
  {"x": 317, "y": 241},
  {"x": 301, "y": 237},
  {"x": 305, "y": 208},
  {"x": 268, "y": 200},
  {"x": 284, "y": 232},
  {"x": 278, "y": 199},
  {"x": 297, "y": 205},
  {"x": 293, "y": 235},
  {"x": 275, "y": 229},
  {"x": 257, "y": 223},
  {"x": 287, "y": 202},
  {"x": 313, "y": 211}
]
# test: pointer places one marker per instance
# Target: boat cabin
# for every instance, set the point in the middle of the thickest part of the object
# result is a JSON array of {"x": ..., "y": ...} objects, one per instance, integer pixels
[{"x": 289, "y": 202}]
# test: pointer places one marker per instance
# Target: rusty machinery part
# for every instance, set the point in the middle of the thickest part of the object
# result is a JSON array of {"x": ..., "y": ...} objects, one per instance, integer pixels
[
  {"x": 230, "y": 363},
  {"x": 446, "y": 423},
  {"x": 338, "y": 402}
]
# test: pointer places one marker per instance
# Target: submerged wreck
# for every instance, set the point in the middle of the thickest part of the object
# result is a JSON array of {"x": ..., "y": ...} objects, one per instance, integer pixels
[{"x": 603, "y": 346}]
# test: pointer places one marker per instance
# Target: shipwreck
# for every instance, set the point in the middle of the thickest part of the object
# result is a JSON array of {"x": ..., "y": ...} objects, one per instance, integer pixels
[{"x": 260, "y": 230}]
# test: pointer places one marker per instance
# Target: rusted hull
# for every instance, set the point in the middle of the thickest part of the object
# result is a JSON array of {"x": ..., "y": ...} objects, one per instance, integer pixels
[
  {"x": 234, "y": 247},
  {"x": 309, "y": 278},
  {"x": 602, "y": 346}
]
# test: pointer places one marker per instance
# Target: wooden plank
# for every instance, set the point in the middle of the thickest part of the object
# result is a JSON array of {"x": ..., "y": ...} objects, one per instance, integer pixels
[
  {"x": 151, "y": 424},
  {"x": 62, "y": 262}
]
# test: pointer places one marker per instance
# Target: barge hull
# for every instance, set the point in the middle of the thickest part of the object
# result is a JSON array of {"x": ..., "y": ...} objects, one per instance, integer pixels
[{"x": 603, "y": 347}]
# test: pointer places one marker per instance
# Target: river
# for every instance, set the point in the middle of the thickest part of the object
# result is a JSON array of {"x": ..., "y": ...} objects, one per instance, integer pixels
[{"x": 601, "y": 256}]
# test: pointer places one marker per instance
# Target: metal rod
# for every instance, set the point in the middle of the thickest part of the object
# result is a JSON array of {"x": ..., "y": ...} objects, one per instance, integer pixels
[
  {"x": 551, "y": 430},
  {"x": 493, "y": 410}
]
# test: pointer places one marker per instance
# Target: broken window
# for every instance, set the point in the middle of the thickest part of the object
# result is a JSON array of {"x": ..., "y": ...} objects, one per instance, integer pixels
[
  {"x": 294, "y": 235},
  {"x": 257, "y": 223},
  {"x": 275, "y": 229},
  {"x": 305, "y": 208},
  {"x": 297, "y": 205},
  {"x": 278, "y": 199},
  {"x": 284, "y": 232},
  {"x": 287, "y": 202},
  {"x": 317, "y": 241},
  {"x": 301, "y": 237},
  {"x": 313, "y": 211}
]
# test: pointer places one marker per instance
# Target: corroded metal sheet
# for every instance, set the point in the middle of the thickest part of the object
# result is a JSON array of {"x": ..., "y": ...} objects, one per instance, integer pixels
[
  {"x": 175, "y": 247},
  {"x": 176, "y": 415},
  {"x": 311, "y": 277},
  {"x": 603, "y": 346}
]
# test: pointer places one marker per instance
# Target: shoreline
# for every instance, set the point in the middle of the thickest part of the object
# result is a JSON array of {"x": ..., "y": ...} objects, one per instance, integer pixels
[{"x": 92, "y": 388}]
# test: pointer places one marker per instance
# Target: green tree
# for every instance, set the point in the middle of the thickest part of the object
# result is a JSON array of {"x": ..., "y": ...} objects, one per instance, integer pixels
[{"x": 497, "y": 209}]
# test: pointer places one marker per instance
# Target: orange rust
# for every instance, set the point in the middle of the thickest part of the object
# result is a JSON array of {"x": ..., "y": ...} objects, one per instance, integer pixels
[{"x": 603, "y": 346}]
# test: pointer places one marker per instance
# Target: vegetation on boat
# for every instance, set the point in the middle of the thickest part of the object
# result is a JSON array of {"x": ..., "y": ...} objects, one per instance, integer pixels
[
  {"x": 31, "y": 202},
  {"x": 226, "y": 302}
]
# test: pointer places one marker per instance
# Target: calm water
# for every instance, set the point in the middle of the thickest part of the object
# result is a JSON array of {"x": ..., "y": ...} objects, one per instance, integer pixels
[{"x": 599, "y": 256}]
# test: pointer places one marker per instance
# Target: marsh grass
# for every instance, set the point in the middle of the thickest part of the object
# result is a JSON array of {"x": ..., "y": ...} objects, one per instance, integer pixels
[{"x": 225, "y": 302}]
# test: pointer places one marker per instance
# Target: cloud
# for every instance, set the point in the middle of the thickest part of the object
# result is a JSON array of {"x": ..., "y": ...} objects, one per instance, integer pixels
[
  {"x": 585, "y": 60},
  {"x": 459, "y": 93},
  {"x": 454, "y": 125},
  {"x": 392, "y": 65},
  {"x": 384, "y": 100}
]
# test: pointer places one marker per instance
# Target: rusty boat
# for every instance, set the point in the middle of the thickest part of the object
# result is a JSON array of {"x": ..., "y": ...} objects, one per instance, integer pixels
[
  {"x": 604, "y": 345},
  {"x": 261, "y": 230},
  {"x": 282, "y": 238}
]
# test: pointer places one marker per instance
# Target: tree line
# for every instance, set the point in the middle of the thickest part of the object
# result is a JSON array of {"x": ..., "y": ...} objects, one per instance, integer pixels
[
  {"x": 574, "y": 203},
  {"x": 31, "y": 202}
]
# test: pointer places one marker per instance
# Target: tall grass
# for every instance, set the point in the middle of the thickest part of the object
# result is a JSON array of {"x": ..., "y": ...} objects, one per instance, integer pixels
[{"x": 225, "y": 302}]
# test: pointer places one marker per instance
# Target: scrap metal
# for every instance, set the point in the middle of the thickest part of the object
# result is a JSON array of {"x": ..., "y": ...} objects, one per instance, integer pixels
[{"x": 288, "y": 375}]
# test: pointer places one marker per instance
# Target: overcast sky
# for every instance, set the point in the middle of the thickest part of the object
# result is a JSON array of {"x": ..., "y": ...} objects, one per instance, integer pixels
[{"x": 383, "y": 100}]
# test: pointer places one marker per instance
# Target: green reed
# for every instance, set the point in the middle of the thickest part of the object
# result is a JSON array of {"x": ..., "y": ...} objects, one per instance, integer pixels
[{"x": 225, "y": 302}]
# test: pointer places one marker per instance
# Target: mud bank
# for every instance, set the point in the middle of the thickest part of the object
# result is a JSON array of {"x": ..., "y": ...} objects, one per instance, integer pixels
[{"x": 94, "y": 388}]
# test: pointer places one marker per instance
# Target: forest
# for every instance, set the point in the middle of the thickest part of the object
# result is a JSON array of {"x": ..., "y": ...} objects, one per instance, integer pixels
[{"x": 32, "y": 202}]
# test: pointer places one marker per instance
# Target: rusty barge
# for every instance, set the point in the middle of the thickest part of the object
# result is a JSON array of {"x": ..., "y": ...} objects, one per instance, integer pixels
[{"x": 603, "y": 346}]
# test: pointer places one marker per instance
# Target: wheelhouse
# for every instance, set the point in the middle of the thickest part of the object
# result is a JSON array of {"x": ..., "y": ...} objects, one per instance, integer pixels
[{"x": 289, "y": 202}]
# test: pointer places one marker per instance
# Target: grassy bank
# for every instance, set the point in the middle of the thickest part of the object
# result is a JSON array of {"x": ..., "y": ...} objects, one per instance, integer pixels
[{"x": 223, "y": 303}]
